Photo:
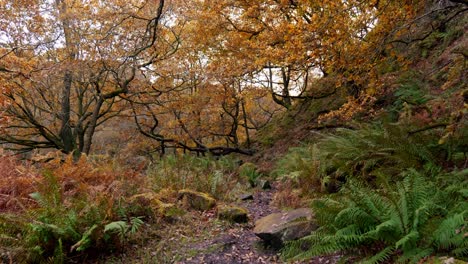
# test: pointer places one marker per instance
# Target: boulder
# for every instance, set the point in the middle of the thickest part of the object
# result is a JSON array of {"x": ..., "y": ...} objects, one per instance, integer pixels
[
  {"x": 276, "y": 229},
  {"x": 169, "y": 211},
  {"x": 148, "y": 204},
  {"x": 233, "y": 214},
  {"x": 196, "y": 200}
]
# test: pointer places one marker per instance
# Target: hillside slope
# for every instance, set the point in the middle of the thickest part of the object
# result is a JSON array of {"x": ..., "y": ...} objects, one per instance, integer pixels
[{"x": 422, "y": 87}]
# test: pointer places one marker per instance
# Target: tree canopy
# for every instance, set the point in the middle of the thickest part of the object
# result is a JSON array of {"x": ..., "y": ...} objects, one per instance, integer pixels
[{"x": 198, "y": 75}]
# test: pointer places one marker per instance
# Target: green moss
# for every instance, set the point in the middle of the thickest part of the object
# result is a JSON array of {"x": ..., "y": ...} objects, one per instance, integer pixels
[
  {"x": 234, "y": 214},
  {"x": 197, "y": 200}
]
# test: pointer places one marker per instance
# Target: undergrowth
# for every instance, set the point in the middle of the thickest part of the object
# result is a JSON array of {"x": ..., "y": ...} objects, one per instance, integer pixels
[
  {"x": 67, "y": 211},
  {"x": 204, "y": 174},
  {"x": 394, "y": 198},
  {"x": 403, "y": 222}
]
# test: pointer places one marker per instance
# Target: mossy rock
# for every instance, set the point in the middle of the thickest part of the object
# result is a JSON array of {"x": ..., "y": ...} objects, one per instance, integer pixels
[
  {"x": 149, "y": 204},
  {"x": 233, "y": 214},
  {"x": 170, "y": 211},
  {"x": 196, "y": 200}
]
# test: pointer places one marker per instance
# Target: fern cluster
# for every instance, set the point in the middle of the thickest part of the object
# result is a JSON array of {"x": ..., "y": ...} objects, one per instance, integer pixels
[
  {"x": 361, "y": 154},
  {"x": 409, "y": 220},
  {"x": 373, "y": 150},
  {"x": 61, "y": 226},
  {"x": 302, "y": 165},
  {"x": 395, "y": 202}
]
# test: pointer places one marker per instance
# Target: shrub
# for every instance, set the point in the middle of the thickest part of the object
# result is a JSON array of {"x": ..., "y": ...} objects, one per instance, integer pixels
[
  {"x": 249, "y": 172},
  {"x": 16, "y": 183},
  {"x": 73, "y": 208},
  {"x": 301, "y": 165}
]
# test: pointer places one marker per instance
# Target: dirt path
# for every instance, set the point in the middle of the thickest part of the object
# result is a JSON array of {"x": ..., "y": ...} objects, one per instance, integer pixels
[
  {"x": 238, "y": 244},
  {"x": 200, "y": 238}
]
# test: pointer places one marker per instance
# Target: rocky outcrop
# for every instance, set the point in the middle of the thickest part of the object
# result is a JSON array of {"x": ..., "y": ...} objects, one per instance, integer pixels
[
  {"x": 276, "y": 229},
  {"x": 196, "y": 200},
  {"x": 233, "y": 214}
]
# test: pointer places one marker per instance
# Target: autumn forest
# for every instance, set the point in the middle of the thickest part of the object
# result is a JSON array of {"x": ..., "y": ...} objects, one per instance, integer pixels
[{"x": 233, "y": 131}]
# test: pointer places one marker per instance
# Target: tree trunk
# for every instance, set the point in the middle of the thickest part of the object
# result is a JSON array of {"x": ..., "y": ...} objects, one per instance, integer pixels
[
  {"x": 246, "y": 127},
  {"x": 66, "y": 134},
  {"x": 92, "y": 126},
  {"x": 286, "y": 73}
]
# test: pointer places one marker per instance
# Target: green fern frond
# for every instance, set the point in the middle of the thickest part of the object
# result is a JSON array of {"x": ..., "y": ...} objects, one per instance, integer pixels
[
  {"x": 350, "y": 230},
  {"x": 85, "y": 240},
  {"x": 386, "y": 231},
  {"x": 408, "y": 241},
  {"x": 461, "y": 251},
  {"x": 414, "y": 255},
  {"x": 450, "y": 232},
  {"x": 116, "y": 226},
  {"x": 135, "y": 224},
  {"x": 353, "y": 215},
  {"x": 382, "y": 256},
  {"x": 374, "y": 204}
]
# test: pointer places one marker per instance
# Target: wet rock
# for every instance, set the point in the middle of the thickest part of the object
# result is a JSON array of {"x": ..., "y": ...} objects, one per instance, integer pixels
[
  {"x": 233, "y": 214},
  {"x": 276, "y": 229},
  {"x": 196, "y": 200}
]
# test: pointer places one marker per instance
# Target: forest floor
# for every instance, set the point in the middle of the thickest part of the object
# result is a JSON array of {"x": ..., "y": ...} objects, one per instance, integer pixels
[
  {"x": 237, "y": 243},
  {"x": 199, "y": 237}
]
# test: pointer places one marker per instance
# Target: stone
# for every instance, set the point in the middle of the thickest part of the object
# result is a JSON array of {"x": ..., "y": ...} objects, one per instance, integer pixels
[
  {"x": 196, "y": 200},
  {"x": 246, "y": 196},
  {"x": 278, "y": 228},
  {"x": 233, "y": 214},
  {"x": 446, "y": 260},
  {"x": 264, "y": 184},
  {"x": 170, "y": 212},
  {"x": 148, "y": 204}
]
